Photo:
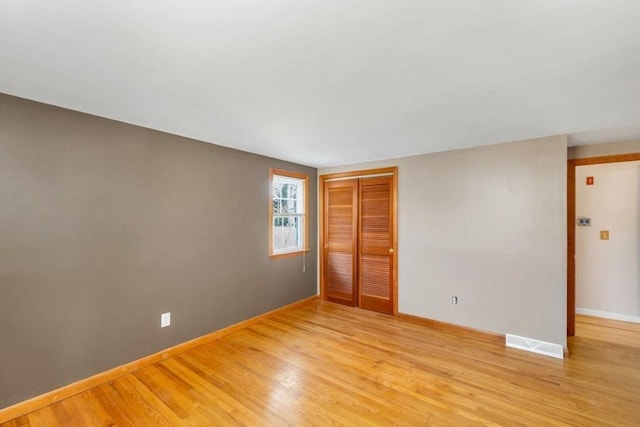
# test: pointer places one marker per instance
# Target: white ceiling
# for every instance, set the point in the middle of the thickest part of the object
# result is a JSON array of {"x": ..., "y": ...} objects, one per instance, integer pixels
[{"x": 324, "y": 83}]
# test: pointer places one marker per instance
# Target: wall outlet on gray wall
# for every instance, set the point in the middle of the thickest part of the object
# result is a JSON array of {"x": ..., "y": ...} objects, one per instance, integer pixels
[{"x": 454, "y": 300}]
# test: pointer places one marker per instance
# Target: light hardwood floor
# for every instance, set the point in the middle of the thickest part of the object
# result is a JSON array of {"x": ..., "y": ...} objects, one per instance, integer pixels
[{"x": 325, "y": 364}]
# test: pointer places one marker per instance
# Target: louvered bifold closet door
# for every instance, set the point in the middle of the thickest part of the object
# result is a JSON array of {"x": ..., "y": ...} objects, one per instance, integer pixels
[
  {"x": 340, "y": 240},
  {"x": 376, "y": 252}
]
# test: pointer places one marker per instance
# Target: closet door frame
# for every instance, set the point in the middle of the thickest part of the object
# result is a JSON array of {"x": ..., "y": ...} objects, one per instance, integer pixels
[{"x": 369, "y": 173}]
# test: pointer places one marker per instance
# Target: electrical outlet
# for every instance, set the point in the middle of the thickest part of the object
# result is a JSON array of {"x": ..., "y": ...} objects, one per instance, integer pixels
[
  {"x": 454, "y": 300},
  {"x": 165, "y": 320}
]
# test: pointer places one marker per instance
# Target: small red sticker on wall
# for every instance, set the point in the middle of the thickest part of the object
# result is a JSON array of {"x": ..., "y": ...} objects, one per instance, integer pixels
[{"x": 589, "y": 180}]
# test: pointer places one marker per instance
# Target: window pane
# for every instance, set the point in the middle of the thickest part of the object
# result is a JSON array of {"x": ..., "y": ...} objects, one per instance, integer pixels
[
  {"x": 288, "y": 195},
  {"x": 298, "y": 230},
  {"x": 287, "y": 232}
]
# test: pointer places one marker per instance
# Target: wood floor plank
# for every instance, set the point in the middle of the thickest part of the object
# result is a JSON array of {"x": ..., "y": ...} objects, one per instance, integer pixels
[
  {"x": 75, "y": 418},
  {"x": 175, "y": 395},
  {"x": 44, "y": 416},
  {"x": 60, "y": 414},
  {"x": 104, "y": 394},
  {"x": 137, "y": 404},
  {"x": 326, "y": 364},
  {"x": 91, "y": 412},
  {"x": 224, "y": 408}
]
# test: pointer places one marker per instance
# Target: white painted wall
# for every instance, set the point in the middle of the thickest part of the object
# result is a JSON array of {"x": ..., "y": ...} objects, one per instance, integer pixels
[
  {"x": 606, "y": 149},
  {"x": 487, "y": 225},
  {"x": 608, "y": 271}
]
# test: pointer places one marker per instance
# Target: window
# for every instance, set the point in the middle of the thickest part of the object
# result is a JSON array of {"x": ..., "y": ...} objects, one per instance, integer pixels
[{"x": 288, "y": 212}]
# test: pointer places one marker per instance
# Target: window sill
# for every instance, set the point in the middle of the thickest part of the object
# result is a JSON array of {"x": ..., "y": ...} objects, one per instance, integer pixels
[{"x": 289, "y": 254}]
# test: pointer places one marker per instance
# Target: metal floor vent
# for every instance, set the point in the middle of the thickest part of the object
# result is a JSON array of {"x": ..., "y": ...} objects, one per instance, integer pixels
[{"x": 535, "y": 346}]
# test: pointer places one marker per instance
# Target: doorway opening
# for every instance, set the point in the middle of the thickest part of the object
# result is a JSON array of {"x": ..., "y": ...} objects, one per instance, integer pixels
[{"x": 572, "y": 221}]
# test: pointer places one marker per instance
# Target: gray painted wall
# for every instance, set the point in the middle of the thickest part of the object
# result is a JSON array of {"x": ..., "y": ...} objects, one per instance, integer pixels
[
  {"x": 104, "y": 226},
  {"x": 487, "y": 225}
]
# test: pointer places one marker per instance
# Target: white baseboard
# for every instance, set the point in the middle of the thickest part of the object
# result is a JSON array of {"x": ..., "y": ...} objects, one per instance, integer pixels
[
  {"x": 535, "y": 346},
  {"x": 608, "y": 315}
]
